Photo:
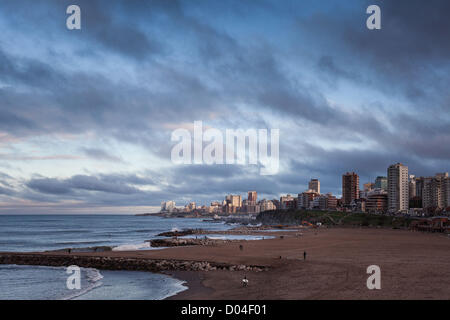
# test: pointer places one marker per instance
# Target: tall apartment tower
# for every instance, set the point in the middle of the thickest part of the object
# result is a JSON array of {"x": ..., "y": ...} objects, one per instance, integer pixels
[
  {"x": 314, "y": 185},
  {"x": 398, "y": 188},
  {"x": 435, "y": 191},
  {"x": 350, "y": 187},
  {"x": 252, "y": 195},
  {"x": 412, "y": 186}
]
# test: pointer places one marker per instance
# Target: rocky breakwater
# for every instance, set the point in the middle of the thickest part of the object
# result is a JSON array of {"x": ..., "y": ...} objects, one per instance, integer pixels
[
  {"x": 120, "y": 263},
  {"x": 179, "y": 242}
]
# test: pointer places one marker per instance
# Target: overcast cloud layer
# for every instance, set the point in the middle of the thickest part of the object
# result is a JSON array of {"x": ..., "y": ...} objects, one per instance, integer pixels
[{"x": 86, "y": 116}]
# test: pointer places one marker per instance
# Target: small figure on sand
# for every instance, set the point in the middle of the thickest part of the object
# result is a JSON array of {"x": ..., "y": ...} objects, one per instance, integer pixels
[
  {"x": 304, "y": 255},
  {"x": 69, "y": 250},
  {"x": 244, "y": 281},
  {"x": 241, "y": 247}
]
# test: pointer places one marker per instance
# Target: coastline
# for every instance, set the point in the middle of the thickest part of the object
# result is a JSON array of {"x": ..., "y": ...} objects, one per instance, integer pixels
[{"x": 413, "y": 265}]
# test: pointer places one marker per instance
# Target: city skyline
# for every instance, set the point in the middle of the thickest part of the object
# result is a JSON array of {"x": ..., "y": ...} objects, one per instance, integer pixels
[
  {"x": 397, "y": 192},
  {"x": 86, "y": 115}
]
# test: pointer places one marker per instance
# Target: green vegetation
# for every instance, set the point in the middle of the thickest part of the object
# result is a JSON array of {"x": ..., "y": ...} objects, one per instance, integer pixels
[{"x": 332, "y": 218}]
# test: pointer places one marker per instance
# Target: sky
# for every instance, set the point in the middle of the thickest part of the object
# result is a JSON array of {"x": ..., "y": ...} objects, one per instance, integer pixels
[{"x": 86, "y": 116}]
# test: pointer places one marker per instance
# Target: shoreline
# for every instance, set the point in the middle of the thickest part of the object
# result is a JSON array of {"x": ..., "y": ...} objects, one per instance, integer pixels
[{"x": 413, "y": 265}]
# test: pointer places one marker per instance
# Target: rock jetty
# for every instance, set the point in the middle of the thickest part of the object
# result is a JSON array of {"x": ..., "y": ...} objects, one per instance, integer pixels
[
  {"x": 120, "y": 263},
  {"x": 179, "y": 242}
]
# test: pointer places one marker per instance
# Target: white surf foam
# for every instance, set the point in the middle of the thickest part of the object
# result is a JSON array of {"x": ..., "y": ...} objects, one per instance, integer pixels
[
  {"x": 93, "y": 277},
  {"x": 131, "y": 247}
]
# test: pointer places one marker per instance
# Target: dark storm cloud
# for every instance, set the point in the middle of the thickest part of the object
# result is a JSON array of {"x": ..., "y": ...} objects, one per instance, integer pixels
[
  {"x": 102, "y": 25},
  {"x": 121, "y": 190},
  {"x": 234, "y": 77},
  {"x": 115, "y": 184},
  {"x": 6, "y": 191},
  {"x": 410, "y": 54},
  {"x": 50, "y": 186}
]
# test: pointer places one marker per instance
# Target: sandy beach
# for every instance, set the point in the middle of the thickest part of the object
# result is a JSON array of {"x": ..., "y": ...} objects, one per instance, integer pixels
[{"x": 413, "y": 265}]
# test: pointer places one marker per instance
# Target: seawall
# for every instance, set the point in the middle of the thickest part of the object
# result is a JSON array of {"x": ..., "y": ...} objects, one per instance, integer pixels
[{"x": 119, "y": 263}]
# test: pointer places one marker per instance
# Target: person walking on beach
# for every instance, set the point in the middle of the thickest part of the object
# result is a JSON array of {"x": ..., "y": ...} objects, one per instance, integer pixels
[
  {"x": 304, "y": 255},
  {"x": 244, "y": 281}
]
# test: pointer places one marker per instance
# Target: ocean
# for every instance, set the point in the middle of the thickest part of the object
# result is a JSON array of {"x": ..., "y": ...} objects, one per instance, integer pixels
[{"x": 120, "y": 232}]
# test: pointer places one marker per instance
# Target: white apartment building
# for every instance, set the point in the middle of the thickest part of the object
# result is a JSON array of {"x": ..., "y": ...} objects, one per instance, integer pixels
[{"x": 398, "y": 188}]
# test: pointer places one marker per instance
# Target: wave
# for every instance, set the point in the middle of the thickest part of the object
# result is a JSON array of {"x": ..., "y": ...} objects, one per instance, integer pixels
[
  {"x": 78, "y": 242},
  {"x": 132, "y": 247},
  {"x": 93, "y": 277}
]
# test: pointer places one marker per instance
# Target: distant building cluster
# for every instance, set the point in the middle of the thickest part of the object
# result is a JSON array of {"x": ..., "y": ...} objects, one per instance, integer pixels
[
  {"x": 397, "y": 193},
  {"x": 232, "y": 204}
]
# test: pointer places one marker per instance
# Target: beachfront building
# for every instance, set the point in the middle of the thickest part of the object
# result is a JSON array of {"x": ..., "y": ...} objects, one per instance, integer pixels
[
  {"x": 412, "y": 186},
  {"x": 233, "y": 204},
  {"x": 191, "y": 206},
  {"x": 251, "y": 206},
  {"x": 332, "y": 202},
  {"x": 287, "y": 202},
  {"x": 252, "y": 197},
  {"x": 377, "y": 201},
  {"x": 350, "y": 188},
  {"x": 398, "y": 188},
  {"x": 435, "y": 194},
  {"x": 325, "y": 202},
  {"x": 305, "y": 199},
  {"x": 167, "y": 206},
  {"x": 215, "y": 207},
  {"x": 420, "y": 182},
  {"x": 266, "y": 205},
  {"x": 314, "y": 185}
]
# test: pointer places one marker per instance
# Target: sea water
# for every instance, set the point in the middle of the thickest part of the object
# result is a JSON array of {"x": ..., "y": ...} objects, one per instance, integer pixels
[{"x": 26, "y": 233}]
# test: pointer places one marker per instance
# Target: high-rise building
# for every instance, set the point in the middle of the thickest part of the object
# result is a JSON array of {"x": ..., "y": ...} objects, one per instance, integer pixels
[
  {"x": 251, "y": 205},
  {"x": 350, "y": 187},
  {"x": 412, "y": 186},
  {"x": 167, "y": 206},
  {"x": 419, "y": 186},
  {"x": 314, "y": 185},
  {"x": 325, "y": 202},
  {"x": 447, "y": 192},
  {"x": 381, "y": 183},
  {"x": 252, "y": 195},
  {"x": 287, "y": 202},
  {"x": 267, "y": 205},
  {"x": 435, "y": 192},
  {"x": 398, "y": 188},
  {"x": 236, "y": 200},
  {"x": 305, "y": 199},
  {"x": 233, "y": 203}
]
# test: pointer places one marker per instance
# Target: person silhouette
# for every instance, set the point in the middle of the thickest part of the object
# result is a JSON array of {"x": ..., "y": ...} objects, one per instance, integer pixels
[
  {"x": 244, "y": 281},
  {"x": 304, "y": 255}
]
